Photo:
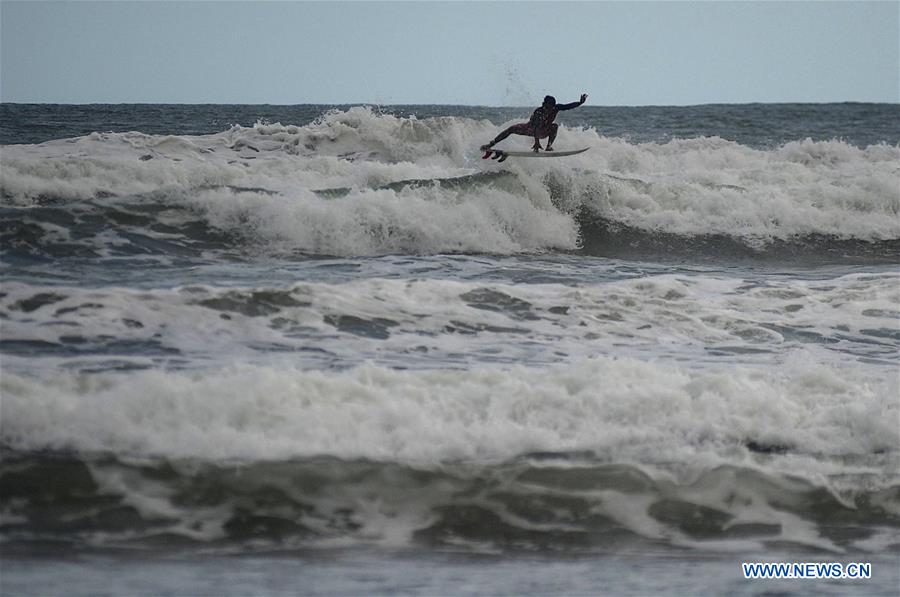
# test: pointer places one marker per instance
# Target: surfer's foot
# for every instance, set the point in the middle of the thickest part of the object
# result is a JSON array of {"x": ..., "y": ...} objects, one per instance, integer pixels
[
  {"x": 548, "y": 148},
  {"x": 536, "y": 148},
  {"x": 486, "y": 146}
]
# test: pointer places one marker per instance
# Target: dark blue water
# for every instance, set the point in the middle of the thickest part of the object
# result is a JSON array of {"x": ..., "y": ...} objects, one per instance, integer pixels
[{"x": 756, "y": 125}]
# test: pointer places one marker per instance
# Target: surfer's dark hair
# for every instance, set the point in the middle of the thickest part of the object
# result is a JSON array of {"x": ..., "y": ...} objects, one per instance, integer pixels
[{"x": 551, "y": 99}]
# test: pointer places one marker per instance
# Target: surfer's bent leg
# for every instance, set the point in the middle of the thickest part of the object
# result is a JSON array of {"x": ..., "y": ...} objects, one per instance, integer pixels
[
  {"x": 553, "y": 129},
  {"x": 523, "y": 128},
  {"x": 543, "y": 133}
]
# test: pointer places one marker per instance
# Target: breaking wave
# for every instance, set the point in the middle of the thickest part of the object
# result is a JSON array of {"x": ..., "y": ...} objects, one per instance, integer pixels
[
  {"x": 583, "y": 456},
  {"x": 357, "y": 182},
  {"x": 541, "y": 502}
]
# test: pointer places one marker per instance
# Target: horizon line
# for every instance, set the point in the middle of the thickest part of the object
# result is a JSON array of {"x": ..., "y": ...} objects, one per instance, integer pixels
[{"x": 404, "y": 104}]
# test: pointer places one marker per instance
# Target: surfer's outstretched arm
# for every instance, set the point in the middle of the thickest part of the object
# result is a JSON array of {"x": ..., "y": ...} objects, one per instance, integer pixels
[{"x": 573, "y": 104}]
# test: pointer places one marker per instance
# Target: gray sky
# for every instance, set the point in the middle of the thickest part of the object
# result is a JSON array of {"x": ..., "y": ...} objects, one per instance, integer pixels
[{"x": 497, "y": 53}]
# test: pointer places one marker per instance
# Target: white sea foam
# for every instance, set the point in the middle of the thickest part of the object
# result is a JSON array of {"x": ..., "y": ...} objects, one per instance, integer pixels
[
  {"x": 432, "y": 322},
  {"x": 260, "y": 182},
  {"x": 625, "y": 410}
]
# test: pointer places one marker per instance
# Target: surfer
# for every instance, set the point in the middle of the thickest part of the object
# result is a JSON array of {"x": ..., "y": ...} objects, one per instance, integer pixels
[{"x": 540, "y": 126}]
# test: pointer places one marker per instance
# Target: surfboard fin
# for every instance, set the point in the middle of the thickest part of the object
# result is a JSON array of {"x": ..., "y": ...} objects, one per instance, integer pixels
[{"x": 494, "y": 154}]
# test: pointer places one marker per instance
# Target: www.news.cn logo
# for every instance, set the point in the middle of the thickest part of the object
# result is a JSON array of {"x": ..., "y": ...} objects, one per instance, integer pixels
[{"x": 806, "y": 570}]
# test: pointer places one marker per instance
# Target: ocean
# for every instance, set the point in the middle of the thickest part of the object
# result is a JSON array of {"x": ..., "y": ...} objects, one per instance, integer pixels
[{"x": 330, "y": 350}]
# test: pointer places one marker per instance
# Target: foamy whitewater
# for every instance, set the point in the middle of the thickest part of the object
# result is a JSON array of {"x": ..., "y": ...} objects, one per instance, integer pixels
[{"x": 339, "y": 328}]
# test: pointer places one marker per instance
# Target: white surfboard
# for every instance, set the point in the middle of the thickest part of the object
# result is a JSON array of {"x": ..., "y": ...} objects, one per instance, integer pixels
[{"x": 500, "y": 154}]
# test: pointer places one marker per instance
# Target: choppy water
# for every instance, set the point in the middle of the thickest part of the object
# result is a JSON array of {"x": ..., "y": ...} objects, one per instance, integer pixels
[{"x": 256, "y": 329}]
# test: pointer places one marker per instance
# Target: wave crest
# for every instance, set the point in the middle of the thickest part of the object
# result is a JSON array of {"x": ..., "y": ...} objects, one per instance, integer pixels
[{"x": 357, "y": 182}]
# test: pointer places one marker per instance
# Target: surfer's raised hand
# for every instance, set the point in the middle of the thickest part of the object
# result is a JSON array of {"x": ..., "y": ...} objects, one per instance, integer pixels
[{"x": 583, "y": 98}]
